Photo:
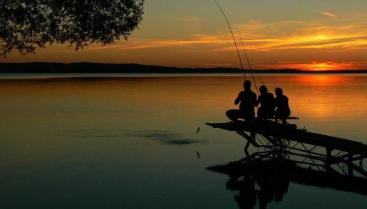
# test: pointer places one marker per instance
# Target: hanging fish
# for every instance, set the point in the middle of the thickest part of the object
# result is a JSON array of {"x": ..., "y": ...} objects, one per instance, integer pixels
[{"x": 198, "y": 154}]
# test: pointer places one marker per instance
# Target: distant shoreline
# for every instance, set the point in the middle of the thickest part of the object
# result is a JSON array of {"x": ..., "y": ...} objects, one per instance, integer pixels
[{"x": 100, "y": 68}]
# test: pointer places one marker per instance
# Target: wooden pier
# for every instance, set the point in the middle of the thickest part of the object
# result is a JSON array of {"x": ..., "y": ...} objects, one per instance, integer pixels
[
  {"x": 306, "y": 149},
  {"x": 261, "y": 167}
]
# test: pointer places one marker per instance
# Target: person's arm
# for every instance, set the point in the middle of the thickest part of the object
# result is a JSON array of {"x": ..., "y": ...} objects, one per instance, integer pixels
[
  {"x": 257, "y": 102},
  {"x": 287, "y": 101},
  {"x": 276, "y": 102},
  {"x": 238, "y": 99}
]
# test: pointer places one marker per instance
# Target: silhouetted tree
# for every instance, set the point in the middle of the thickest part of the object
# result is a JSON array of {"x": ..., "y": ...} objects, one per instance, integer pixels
[{"x": 28, "y": 24}]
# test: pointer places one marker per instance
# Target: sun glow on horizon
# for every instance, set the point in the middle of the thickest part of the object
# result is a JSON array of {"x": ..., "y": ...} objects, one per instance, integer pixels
[{"x": 323, "y": 66}]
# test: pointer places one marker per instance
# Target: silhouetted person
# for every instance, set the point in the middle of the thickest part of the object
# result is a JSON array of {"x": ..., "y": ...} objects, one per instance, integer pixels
[
  {"x": 266, "y": 101},
  {"x": 246, "y": 99},
  {"x": 282, "y": 110}
]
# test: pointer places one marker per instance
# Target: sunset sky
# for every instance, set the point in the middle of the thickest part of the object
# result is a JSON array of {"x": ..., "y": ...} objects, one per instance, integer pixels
[{"x": 303, "y": 34}]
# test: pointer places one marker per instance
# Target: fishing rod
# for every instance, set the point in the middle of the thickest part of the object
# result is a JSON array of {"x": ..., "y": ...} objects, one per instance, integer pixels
[
  {"x": 249, "y": 64},
  {"x": 234, "y": 39}
]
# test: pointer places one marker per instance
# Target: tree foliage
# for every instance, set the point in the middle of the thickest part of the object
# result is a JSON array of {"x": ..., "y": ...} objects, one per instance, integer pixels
[{"x": 26, "y": 25}]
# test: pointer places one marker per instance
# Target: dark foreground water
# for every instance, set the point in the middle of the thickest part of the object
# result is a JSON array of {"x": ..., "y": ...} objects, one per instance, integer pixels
[{"x": 131, "y": 143}]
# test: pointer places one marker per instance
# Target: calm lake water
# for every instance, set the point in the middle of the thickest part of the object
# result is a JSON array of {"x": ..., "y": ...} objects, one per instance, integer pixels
[{"x": 131, "y": 143}]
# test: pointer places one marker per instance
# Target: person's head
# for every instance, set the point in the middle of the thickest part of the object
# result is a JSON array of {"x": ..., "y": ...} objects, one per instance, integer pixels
[
  {"x": 247, "y": 85},
  {"x": 263, "y": 89},
  {"x": 278, "y": 91}
]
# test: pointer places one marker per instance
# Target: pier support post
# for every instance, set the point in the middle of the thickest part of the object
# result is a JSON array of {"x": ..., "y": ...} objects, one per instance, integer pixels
[
  {"x": 350, "y": 162},
  {"x": 246, "y": 148},
  {"x": 328, "y": 159}
]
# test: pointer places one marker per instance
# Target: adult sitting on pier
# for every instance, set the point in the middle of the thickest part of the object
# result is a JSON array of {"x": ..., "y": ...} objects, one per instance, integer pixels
[
  {"x": 246, "y": 99},
  {"x": 282, "y": 110},
  {"x": 266, "y": 102}
]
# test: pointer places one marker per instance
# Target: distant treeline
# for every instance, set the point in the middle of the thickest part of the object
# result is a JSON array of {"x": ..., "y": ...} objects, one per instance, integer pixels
[{"x": 43, "y": 67}]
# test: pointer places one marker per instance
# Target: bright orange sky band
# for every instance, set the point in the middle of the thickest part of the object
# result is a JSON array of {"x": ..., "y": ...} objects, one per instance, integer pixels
[{"x": 305, "y": 34}]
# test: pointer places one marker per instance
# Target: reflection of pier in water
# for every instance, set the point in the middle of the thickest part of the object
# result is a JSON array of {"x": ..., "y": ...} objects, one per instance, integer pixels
[{"x": 284, "y": 153}]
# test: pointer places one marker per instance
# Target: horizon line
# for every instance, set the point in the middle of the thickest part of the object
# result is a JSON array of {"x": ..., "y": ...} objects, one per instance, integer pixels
[{"x": 165, "y": 67}]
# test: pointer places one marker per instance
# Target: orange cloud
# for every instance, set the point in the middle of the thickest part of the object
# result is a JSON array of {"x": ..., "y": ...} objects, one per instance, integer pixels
[
  {"x": 272, "y": 36},
  {"x": 328, "y": 14},
  {"x": 323, "y": 43}
]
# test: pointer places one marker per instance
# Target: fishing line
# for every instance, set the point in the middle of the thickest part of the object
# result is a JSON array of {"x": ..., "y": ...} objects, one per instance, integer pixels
[
  {"x": 248, "y": 62},
  {"x": 234, "y": 39}
]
